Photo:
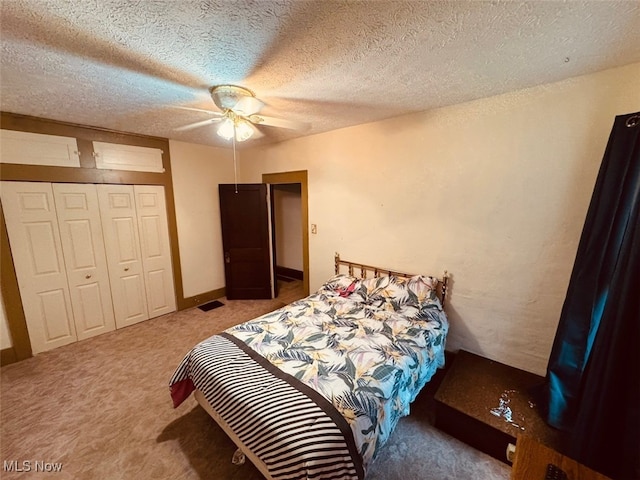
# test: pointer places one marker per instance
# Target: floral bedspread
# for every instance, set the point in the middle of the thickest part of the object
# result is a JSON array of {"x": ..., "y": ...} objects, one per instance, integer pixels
[{"x": 368, "y": 346}]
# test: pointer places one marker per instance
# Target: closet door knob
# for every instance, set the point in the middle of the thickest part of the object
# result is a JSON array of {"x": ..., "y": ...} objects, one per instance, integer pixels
[
  {"x": 126, "y": 269},
  {"x": 87, "y": 276}
]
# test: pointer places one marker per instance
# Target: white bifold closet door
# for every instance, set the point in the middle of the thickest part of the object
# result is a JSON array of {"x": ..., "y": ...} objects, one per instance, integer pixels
[
  {"x": 134, "y": 222},
  {"x": 36, "y": 248},
  {"x": 86, "y": 265},
  {"x": 122, "y": 243},
  {"x": 88, "y": 258},
  {"x": 156, "y": 253}
]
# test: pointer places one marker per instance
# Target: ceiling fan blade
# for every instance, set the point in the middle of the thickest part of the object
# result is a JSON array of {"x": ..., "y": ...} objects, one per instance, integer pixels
[
  {"x": 202, "y": 123},
  {"x": 278, "y": 122},
  {"x": 193, "y": 109},
  {"x": 247, "y": 106}
]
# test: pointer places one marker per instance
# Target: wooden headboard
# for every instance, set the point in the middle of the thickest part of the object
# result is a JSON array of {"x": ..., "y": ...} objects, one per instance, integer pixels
[{"x": 361, "y": 270}]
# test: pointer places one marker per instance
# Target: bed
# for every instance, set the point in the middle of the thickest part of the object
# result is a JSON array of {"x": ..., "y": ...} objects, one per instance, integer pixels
[{"x": 315, "y": 388}]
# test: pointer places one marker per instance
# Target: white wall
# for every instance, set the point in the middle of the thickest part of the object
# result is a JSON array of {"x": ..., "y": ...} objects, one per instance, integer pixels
[
  {"x": 287, "y": 209},
  {"x": 197, "y": 170},
  {"x": 495, "y": 190}
]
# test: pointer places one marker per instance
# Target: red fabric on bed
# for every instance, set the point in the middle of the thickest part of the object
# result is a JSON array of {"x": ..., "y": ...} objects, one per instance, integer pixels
[
  {"x": 180, "y": 391},
  {"x": 345, "y": 292}
]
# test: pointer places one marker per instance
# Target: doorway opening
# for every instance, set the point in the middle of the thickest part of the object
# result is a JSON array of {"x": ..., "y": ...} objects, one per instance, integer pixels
[{"x": 290, "y": 207}]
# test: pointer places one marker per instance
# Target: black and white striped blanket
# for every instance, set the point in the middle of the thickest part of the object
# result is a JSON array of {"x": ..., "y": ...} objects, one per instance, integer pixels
[{"x": 293, "y": 429}]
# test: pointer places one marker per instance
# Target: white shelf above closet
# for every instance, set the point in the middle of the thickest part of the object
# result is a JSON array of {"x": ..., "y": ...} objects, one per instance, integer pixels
[
  {"x": 25, "y": 148},
  {"x": 114, "y": 156}
]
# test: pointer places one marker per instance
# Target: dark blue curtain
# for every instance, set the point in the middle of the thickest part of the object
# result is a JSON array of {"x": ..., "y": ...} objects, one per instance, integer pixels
[{"x": 593, "y": 376}]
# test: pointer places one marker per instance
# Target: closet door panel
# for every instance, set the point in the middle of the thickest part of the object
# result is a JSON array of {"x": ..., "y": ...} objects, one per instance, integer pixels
[
  {"x": 156, "y": 254},
  {"x": 90, "y": 309},
  {"x": 126, "y": 237},
  {"x": 120, "y": 228},
  {"x": 86, "y": 264},
  {"x": 34, "y": 237},
  {"x": 54, "y": 305},
  {"x": 133, "y": 289}
]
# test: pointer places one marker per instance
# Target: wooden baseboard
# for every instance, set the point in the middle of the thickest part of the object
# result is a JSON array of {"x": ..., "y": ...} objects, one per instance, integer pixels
[
  {"x": 8, "y": 356},
  {"x": 201, "y": 299},
  {"x": 289, "y": 272}
]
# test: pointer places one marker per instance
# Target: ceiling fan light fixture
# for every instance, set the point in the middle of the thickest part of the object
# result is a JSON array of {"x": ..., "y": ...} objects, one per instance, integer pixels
[
  {"x": 242, "y": 129},
  {"x": 225, "y": 130},
  {"x": 226, "y": 96},
  {"x": 238, "y": 113}
]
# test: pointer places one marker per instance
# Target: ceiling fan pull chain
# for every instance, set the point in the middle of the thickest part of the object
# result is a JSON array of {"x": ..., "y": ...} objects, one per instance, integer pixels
[{"x": 235, "y": 169}]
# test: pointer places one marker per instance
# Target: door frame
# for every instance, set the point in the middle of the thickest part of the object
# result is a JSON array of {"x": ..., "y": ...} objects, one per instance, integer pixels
[{"x": 301, "y": 177}]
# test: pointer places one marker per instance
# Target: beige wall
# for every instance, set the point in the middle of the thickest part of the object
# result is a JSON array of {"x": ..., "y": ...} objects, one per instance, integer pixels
[
  {"x": 494, "y": 190},
  {"x": 197, "y": 170},
  {"x": 287, "y": 206}
]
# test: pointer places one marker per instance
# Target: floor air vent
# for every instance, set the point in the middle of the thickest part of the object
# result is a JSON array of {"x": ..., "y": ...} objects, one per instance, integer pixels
[{"x": 210, "y": 306}]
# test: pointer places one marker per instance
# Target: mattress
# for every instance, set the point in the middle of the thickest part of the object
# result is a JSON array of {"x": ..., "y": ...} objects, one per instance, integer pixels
[{"x": 315, "y": 389}]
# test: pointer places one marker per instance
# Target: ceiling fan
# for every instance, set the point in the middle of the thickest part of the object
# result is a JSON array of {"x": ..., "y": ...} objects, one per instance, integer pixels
[{"x": 238, "y": 115}]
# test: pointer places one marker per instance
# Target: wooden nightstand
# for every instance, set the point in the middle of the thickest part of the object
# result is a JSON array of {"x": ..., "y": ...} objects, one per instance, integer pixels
[
  {"x": 487, "y": 404},
  {"x": 532, "y": 459}
]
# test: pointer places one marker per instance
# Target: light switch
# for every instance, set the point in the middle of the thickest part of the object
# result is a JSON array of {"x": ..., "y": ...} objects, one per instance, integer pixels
[{"x": 314, "y": 228}]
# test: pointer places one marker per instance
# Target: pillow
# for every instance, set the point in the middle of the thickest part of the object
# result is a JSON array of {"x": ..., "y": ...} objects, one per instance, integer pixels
[
  {"x": 342, "y": 284},
  {"x": 422, "y": 289},
  {"x": 398, "y": 292},
  {"x": 389, "y": 292},
  {"x": 378, "y": 291},
  {"x": 372, "y": 287}
]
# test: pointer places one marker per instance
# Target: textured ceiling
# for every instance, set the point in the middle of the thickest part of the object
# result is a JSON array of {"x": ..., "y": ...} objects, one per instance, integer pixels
[{"x": 125, "y": 64}]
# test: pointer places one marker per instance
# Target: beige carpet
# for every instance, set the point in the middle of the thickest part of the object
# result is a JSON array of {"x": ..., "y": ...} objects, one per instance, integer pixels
[{"x": 101, "y": 408}]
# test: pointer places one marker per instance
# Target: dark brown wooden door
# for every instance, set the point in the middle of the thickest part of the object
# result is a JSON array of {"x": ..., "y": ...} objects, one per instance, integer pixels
[{"x": 245, "y": 241}]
